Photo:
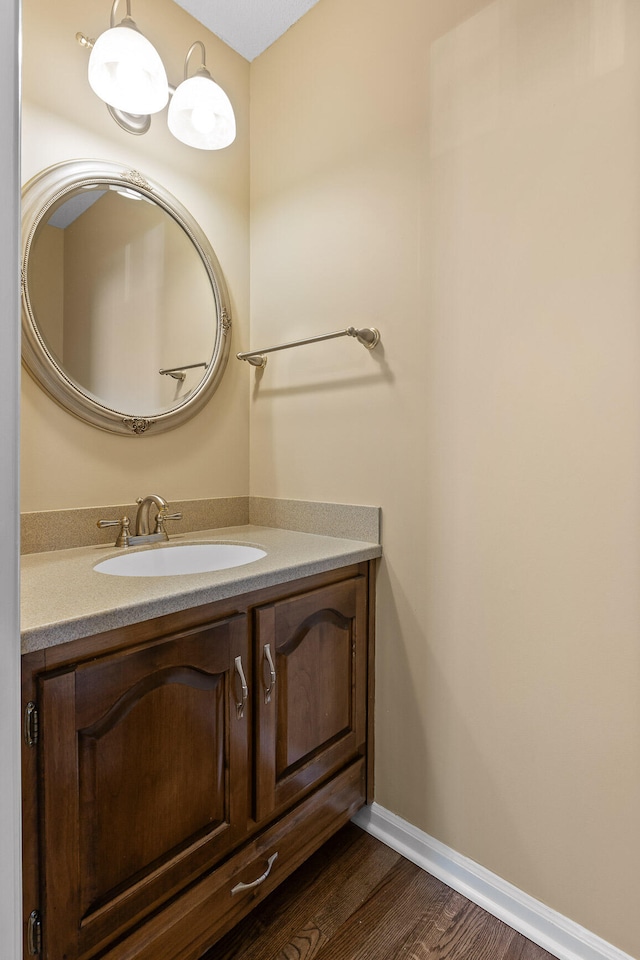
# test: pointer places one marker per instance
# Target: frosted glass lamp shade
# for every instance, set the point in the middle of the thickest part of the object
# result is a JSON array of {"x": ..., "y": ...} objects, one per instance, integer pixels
[
  {"x": 201, "y": 115},
  {"x": 125, "y": 70}
]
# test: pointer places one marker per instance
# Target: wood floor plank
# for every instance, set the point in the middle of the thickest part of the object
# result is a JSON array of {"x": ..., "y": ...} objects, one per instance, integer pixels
[
  {"x": 378, "y": 929},
  {"x": 523, "y": 949},
  {"x": 317, "y": 918},
  {"x": 353, "y": 888},
  {"x": 428, "y": 932},
  {"x": 474, "y": 933},
  {"x": 356, "y": 899}
]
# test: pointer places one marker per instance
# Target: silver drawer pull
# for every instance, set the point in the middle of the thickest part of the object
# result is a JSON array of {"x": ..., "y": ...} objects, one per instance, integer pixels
[
  {"x": 245, "y": 689},
  {"x": 241, "y": 887},
  {"x": 272, "y": 671}
]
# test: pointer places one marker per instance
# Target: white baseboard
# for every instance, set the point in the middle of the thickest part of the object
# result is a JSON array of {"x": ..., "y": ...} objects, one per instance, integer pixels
[{"x": 551, "y": 930}]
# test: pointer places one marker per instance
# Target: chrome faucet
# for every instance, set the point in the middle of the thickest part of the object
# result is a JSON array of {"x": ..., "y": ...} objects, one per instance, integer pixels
[
  {"x": 143, "y": 516},
  {"x": 144, "y": 511}
]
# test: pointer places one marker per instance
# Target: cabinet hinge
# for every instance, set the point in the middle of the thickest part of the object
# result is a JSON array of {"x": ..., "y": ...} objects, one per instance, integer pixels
[
  {"x": 34, "y": 933},
  {"x": 31, "y": 724}
]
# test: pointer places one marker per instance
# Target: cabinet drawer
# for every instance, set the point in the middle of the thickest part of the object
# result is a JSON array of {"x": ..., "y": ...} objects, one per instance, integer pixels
[{"x": 193, "y": 922}]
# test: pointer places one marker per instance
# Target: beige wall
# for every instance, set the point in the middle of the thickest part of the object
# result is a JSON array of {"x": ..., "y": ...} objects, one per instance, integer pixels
[
  {"x": 464, "y": 175},
  {"x": 66, "y": 463}
]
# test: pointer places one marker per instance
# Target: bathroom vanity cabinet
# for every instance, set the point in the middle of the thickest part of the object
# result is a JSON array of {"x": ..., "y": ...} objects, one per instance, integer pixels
[{"x": 176, "y": 770}]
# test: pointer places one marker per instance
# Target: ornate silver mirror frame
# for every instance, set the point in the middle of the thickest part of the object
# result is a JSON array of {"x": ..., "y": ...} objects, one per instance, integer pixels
[{"x": 44, "y": 193}]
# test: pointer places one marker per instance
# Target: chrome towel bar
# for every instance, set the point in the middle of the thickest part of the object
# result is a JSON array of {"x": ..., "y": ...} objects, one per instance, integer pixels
[{"x": 367, "y": 336}]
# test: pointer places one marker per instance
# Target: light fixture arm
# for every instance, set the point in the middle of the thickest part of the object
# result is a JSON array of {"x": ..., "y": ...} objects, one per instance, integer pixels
[
  {"x": 89, "y": 42},
  {"x": 113, "y": 13},
  {"x": 202, "y": 71}
]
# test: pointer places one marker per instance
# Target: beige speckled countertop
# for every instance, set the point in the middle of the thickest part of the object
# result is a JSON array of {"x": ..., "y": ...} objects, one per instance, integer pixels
[{"x": 63, "y": 598}]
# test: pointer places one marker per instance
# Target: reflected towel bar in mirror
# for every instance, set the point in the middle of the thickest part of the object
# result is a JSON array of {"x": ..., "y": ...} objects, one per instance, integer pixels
[
  {"x": 178, "y": 373},
  {"x": 369, "y": 337}
]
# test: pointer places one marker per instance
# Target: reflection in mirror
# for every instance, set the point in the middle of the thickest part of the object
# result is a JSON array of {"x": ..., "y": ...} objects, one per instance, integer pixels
[
  {"x": 109, "y": 275},
  {"x": 125, "y": 313}
]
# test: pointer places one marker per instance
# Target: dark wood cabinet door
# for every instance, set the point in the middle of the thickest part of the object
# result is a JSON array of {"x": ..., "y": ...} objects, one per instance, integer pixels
[
  {"x": 144, "y": 780},
  {"x": 311, "y": 676}
]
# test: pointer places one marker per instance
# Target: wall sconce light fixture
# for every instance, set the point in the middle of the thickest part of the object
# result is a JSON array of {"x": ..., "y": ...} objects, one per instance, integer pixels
[{"x": 126, "y": 72}]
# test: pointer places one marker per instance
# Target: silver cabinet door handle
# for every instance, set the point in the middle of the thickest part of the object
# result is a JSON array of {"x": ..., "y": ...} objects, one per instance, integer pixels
[
  {"x": 272, "y": 673},
  {"x": 245, "y": 689},
  {"x": 241, "y": 887}
]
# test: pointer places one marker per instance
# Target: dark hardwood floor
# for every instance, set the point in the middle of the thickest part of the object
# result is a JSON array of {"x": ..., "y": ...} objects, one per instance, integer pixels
[{"x": 357, "y": 899}]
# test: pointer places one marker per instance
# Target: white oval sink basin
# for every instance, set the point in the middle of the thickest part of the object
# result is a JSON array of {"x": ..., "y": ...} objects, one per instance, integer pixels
[{"x": 169, "y": 560}]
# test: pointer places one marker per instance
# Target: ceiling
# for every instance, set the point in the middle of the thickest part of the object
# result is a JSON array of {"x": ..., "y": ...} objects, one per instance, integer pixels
[{"x": 249, "y": 26}]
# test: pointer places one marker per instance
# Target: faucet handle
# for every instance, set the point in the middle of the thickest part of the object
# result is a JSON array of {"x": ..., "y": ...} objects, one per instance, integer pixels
[
  {"x": 160, "y": 519},
  {"x": 122, "y": 540}
]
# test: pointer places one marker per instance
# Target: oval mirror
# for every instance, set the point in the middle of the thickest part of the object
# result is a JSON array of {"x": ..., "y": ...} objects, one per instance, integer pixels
[{"x": 125, "y": 320}]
